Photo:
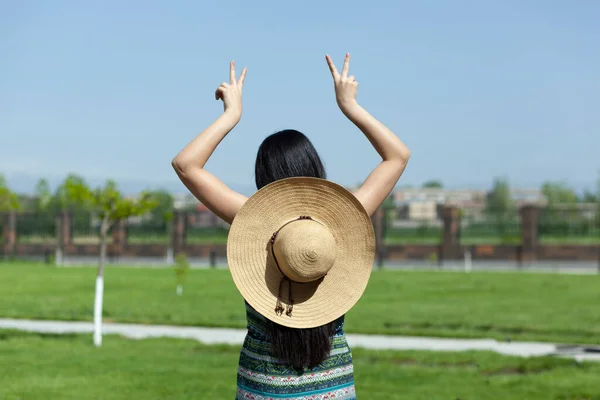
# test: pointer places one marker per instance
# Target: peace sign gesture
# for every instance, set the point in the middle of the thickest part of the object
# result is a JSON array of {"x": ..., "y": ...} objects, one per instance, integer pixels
[
  {"x": 345, "y": 86},
  {"x": 231, "y": 93}
]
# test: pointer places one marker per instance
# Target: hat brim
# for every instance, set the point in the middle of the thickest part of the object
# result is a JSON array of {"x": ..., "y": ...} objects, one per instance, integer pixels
[{"x": 258, "y": 278}]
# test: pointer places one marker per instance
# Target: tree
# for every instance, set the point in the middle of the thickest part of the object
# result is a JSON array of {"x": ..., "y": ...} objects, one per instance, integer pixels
[
  {"x": 499, "y": 199},
  {"x": 598, "y": 202},
  {"x": 182, "y": 267},
  {"x": 43, "y": 206},
  {"x": 63, "y": 194},
  {"x": 558, "y": 193},
  {"x": 9, "y": 201},
  {"x": 389, "y": 214},
  {"x": 590, "y": 197},
  {"x": 500, "y": 206},
  {"x": 561, "y": 216},
  {"x": 593, "y": 196},
  {"x": 61, "y": 202},
  {"x": 43, "y": 196},
  {"x": 163, "y": 212},
  {"x": 433, "y": 184},
  {"x": 110, "y": 206}
]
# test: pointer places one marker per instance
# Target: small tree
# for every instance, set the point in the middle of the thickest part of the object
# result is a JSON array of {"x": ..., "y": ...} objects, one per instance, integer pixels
[
  {"x": 433, "y": 184},
  {"x": 182, "y": 266},
  {"x": 561, "y": 214},
  {"x": 499, "y": 199},
  {"x": 43, "y": 196},
  {"x": 110, "y": 206},
  {"x": 9, "y": 201},
  {"x": 500, "y": 206},
  {"x": 163, "y": 212},
  {"x": 559, "y": 193},
  {"x": 596, "y": 199}
]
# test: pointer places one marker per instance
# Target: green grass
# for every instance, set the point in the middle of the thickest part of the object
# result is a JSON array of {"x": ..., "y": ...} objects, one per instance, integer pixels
[
  {"x": 193, "y": 237},
  {"x": 403, "y": 240},
  {"x": 36, "y": 239},
  {"x": 68, "y": 367},
  {"x": 519, "y": 306},
  {"x": 489, "y": 240},
  {"x": 567, "y": 240}
]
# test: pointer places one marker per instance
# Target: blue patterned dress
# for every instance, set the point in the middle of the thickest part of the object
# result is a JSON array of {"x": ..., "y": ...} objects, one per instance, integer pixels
[{"x": 261, "y": 377}]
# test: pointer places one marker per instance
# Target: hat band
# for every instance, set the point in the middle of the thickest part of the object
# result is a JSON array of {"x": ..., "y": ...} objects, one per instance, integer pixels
[{"x": 279, "y": 307}]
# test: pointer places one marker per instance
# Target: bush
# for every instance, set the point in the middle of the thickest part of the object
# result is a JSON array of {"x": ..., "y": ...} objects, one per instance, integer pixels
[{"x": 182, "y": 266}]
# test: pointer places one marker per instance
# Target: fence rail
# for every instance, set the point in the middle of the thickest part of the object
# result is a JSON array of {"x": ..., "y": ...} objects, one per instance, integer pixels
[{"x": 513, "y": 234}]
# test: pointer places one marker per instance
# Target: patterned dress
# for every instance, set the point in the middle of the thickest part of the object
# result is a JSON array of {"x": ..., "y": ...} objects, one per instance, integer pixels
[{"x": 261, "y": 377}]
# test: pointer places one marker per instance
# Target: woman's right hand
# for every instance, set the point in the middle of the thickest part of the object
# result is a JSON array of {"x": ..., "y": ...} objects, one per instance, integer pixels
[
  {"x": 231, "y": 93},
  {"x": 346, "y": 86}
]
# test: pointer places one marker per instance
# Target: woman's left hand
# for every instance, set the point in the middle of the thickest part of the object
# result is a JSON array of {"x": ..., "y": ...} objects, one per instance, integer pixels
[
  {"x": 345, "y": 86},
  {"x": 231, "y": 93}
]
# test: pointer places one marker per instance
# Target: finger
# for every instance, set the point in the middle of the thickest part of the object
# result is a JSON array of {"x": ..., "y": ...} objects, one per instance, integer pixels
[
  {"x": 351, "y": 78},
  {"x": 219, "y": 92},
  {"x": 332, "y": 68},
  {"x": 232, "y": 72},
  {"x": 346, "y": 66},
  {"x": 242, "y": 77}
]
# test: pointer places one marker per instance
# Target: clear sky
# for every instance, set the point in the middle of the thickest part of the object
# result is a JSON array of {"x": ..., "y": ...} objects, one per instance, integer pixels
[{"x": 476, "y": 89}]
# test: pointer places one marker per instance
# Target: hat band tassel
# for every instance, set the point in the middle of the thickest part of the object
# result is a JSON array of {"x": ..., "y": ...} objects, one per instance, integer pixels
[
  {"x": 279, "y": 306},
  {"x": 290, "y": 307}
]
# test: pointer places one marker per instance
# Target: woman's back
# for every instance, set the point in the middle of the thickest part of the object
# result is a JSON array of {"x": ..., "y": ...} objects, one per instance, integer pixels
[
  {"x": 261, "y": 376},
  {"x": 300, "y": 250}
]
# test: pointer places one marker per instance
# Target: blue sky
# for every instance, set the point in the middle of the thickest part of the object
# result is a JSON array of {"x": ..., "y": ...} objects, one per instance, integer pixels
[{"x": 476, "y": 89}]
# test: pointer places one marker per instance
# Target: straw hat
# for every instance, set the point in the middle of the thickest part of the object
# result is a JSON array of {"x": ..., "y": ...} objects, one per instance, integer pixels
[{"x": 301, "y": 251}]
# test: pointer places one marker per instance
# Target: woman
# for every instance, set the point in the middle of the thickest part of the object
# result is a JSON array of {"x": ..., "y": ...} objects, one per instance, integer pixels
[{"x": 319, "y": 255}]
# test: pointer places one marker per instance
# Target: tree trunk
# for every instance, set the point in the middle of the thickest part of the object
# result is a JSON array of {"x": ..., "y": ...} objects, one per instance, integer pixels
[{"x": 100, "y": 285}]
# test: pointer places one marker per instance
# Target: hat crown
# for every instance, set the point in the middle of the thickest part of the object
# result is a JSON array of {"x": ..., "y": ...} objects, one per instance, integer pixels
[{"x": 305, "y": 250}]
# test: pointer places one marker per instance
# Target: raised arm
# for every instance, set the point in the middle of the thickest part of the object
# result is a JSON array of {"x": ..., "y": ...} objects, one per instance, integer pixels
[
  {"x": 393, "y": 152},
  {"x": 189, "y": 163}
]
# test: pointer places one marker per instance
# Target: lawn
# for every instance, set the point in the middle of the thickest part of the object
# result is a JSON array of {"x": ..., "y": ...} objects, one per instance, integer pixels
[
  {"x": 519, "y": 306},
  {"x": 570, "y": 240},
  {"x": 40, "y": 367}
]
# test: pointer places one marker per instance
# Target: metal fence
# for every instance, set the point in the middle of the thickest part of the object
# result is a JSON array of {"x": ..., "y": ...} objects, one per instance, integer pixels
[
  {"x": 484, "y": 227},
  {"x": 149, "y": 232},
  {"x": 578, "y": 224},
  {"x": 36, "y": 228},
  {"x": 85, "y": 228},
  {"x": 400, "y": 227}
]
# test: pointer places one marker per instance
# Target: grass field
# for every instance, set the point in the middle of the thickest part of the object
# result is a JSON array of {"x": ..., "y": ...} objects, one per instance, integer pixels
[
  {"x": 575, "y": 240},
  {"x": 68, "y": 367},
  {"x": 519, "y": 306}
]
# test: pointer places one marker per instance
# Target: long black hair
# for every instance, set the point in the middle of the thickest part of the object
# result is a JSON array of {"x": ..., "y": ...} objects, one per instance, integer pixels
[{"x": 287, "y": 154}]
